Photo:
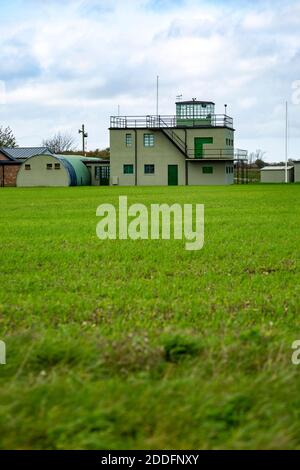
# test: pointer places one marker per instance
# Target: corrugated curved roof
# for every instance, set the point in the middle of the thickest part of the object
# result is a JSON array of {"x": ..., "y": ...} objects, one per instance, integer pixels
[{"x": 79, "y": 174}]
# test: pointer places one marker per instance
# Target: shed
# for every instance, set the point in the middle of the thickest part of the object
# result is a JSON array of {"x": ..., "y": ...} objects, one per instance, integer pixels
[
  {"x": 276, "y": 174},
  {"x": 53, "y": 170},
  {"x": 297, "y": 171}
]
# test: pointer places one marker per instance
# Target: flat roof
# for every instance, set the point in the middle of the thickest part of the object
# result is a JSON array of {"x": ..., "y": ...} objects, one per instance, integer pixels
[
  {"x": 195, "y": 102},
  {"x": 270, "y": 168}
]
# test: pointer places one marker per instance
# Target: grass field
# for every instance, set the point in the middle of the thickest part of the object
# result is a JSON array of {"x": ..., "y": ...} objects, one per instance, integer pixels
[{"x": 141, "y": 344}]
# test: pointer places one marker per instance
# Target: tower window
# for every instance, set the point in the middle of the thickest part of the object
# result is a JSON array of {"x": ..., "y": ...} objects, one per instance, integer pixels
[
  {"x": 128, "y": 169},
  {"x": 207, "y": 170},
  {"x": 128, "y": 140},
  {"x": 148, "y": 140},
  {"x": 49, "y": 166},
  {"x": 149, "y": 169}
]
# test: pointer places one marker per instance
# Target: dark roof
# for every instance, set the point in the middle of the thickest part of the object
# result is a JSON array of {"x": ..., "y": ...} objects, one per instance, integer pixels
[
  {"x": 24, "y": 152},
  {"x": 10, "y": 162},
  {"x": 96, "y": 160},
  {"x": 195, "y": 102}
]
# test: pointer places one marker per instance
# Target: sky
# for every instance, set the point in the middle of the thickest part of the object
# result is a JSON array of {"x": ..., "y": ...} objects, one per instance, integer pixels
[{"x": 68, "y": 62}]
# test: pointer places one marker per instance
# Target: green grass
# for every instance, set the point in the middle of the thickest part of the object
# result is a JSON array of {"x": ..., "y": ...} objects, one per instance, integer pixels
[{"x": 141, "y": 344}]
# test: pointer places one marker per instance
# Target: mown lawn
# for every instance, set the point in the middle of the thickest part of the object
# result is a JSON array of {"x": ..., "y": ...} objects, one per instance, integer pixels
[{"x": 141, "y": 344}]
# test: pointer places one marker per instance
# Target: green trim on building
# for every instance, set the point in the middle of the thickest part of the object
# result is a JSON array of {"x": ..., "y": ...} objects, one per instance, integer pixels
[
  {"x": 128, "y": 169},
  {"x": 172, "y": 175},
  {"x": 208, "y": 170},
  {"x": 198, "y": 145}
]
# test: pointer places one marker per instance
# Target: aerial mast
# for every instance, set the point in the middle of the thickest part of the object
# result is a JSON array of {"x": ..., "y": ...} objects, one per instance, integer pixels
[{"x": 84, "y": 136}]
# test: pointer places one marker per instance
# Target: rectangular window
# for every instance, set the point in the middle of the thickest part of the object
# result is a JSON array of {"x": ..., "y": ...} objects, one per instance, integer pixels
[
  {"x": 149, "y": 169},
  {"x": 128, "y": 140},
  {"x": 128, "y": 169},
  {"x": 57, "y": 166},
  {"x": 148, "y": 140},
  {"x": 27, "y": 167},
  {"x": 49, "y": 166},
  {"x": 207, "y": 170}
]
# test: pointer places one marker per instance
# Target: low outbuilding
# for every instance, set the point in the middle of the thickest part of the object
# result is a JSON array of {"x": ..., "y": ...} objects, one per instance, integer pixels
[
  {"x": 297, "y": 171},
  {"x": 11, "y": 160},
  {"x": 276, "y": 174},
  {"x": 54, "y": 170}
]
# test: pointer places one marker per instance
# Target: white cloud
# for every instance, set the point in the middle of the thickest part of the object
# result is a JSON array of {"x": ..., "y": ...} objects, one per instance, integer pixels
[{"x": 75, "y": 61}]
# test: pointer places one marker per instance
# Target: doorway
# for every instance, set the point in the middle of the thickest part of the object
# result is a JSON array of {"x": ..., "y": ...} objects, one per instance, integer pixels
[{"x": 172, "y": 175}]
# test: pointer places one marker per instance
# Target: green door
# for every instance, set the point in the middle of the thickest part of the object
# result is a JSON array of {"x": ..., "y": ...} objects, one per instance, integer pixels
[
  {"x": 199, "y": 142},
  {"x": 173, "y": 175}
]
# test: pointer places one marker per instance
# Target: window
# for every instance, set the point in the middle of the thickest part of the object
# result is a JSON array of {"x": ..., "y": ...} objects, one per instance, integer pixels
[
  {"x": 207, "y": 170},
  {"x": 148, "y": 140},
  {"x": 229, "y": 170},
  {"x": 128, "y": 169},
  {"x": 149, "y": 169},
  {"x": 27, "y": 167},
  {"x": 57, "y": 166},
  {"x": 97, "y": 172},
  {"x": 128, "y": 140},
  {"x": 49, "y": 166}
]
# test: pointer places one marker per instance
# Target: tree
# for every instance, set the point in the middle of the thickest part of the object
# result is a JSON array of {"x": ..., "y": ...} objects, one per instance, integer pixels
[
  {"x": 98, "y": 153},
  {"x": 60, "y": 142},
  {"x": 257, "y": 158},
  {"x": 7, "y": 138}
]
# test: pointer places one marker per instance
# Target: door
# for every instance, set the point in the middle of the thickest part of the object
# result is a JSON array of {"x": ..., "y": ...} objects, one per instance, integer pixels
[
  {"x": 173, "y": 175},
  {"x": 199, "y": 142},
  {"x": 104, "y": 175}
]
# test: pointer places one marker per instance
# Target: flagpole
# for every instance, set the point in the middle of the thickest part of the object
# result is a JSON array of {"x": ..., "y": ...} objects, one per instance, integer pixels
[{"x": 286, "y": 142}]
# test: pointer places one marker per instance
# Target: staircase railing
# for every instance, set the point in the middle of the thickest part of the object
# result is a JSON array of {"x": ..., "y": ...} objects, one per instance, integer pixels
[{"x": 173, "y": 137}]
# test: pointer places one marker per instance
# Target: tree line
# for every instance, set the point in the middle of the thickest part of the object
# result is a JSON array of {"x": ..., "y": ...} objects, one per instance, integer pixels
[{"x": 60, "y": 143}]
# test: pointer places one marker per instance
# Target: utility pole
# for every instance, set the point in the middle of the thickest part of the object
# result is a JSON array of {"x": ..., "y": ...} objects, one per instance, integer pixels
[
  {"x": 286, "y": 142},
  {"x": 157, "y": 96},
  {"x": 84, "y": 136}
]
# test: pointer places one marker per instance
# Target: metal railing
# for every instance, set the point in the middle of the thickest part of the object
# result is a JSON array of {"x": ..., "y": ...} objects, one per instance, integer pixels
[
  {"x": 240, "y": 154},
  {"x": 211, "y": 153},
  {"x": 170, "y": 121}
]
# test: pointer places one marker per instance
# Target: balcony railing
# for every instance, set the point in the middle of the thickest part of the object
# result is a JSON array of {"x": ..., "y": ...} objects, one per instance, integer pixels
[
  {"x": 170, "y": 121},
  {"x": 217, "y": 154}
]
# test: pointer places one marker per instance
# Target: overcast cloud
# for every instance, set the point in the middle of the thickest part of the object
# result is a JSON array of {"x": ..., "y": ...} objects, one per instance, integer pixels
[{"x": 70, "y": 62}]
